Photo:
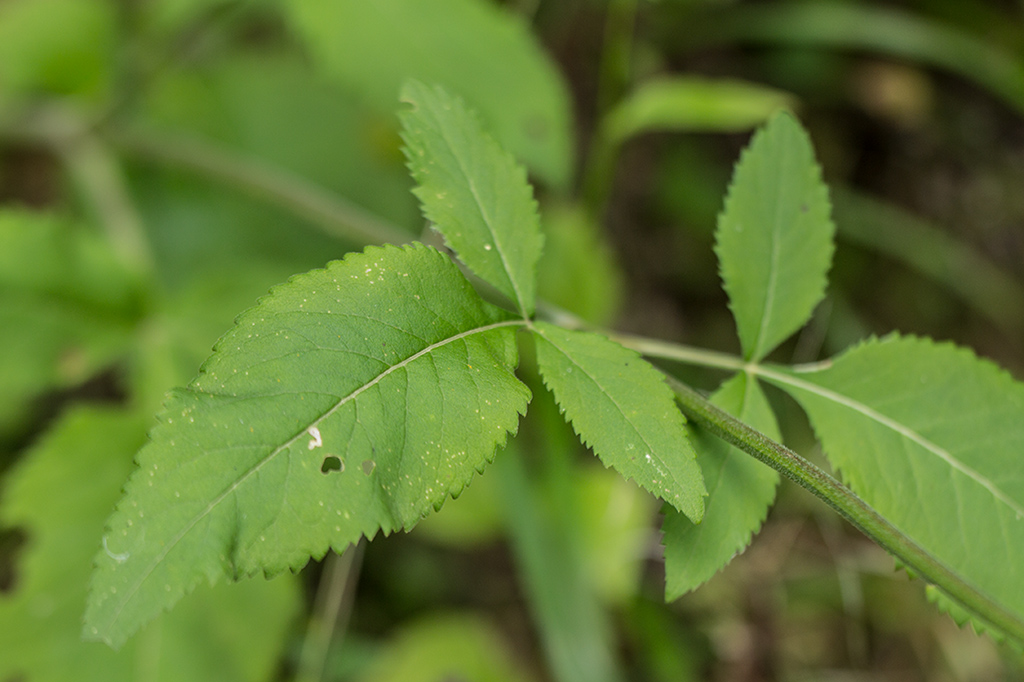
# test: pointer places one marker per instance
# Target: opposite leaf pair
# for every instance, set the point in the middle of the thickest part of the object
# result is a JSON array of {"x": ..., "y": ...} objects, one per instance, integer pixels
[{"x": 359, "y": 397}]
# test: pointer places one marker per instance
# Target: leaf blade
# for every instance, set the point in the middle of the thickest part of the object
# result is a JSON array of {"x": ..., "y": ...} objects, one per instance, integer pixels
[
  {"x": 740, "y": 493},
  {"x": 621, "y": 407},
  {"x": 473, "y": 191},
  {"x": 687, "y": 103},
  {"x": 214, "y": 635},
  {"x": 774, "y": 236},
  {"x": 929, "y": 435},
  {"x": 386, "y": 364}
]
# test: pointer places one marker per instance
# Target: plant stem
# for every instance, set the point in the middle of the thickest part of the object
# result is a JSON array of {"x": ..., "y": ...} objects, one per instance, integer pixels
[
  {"x": 848, "y": 505},
  {"x": 327, "y": 211},
  {"x": 95, "y": 171},
  {"x": 331, "y": 610},
  {"x": 687, "y": 354}
]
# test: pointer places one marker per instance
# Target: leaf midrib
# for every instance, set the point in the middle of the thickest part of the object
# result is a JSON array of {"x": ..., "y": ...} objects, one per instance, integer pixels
[
  {"x": 901, "y": 429},
  {"x": 650, "y": 448},
  {"x": 488, "y": 221},
  {"x": 773, "y": 275},
  {"x": 129, "y": 594}
]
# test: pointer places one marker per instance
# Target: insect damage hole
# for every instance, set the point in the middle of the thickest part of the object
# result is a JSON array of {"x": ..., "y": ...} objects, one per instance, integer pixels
[
  {"x": 368, "y": 466},
  {"x": 332, "y": 463}
]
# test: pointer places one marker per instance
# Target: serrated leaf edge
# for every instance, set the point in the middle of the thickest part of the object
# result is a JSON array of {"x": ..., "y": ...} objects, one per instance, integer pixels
[
  {"x": 662, "y": 467},
  {"x": 814, "y": 170},
  {"x": 525, "y": 307},
  {"x": 902, "y": 430}
]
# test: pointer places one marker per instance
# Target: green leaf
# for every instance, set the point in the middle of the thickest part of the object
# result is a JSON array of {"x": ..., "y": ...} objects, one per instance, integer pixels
[
  {"x": 740, "y": 492},
  {"x": 774, "y": 237},
  {"x": 471, "y": 47},
  {"x": 67, "y": 308},
  {"x": 691, "y": 103},
  {"x": 621, "y": 407},
  {"x": 931, "y": 437},
  {"x": 59, "y": 494},
  {"x": 350, "y": 400},
  {"x": 473, "y": 191}
]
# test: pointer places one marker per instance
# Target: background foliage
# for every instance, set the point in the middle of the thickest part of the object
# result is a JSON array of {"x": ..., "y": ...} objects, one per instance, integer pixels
[{"x": 164, "y": 163}]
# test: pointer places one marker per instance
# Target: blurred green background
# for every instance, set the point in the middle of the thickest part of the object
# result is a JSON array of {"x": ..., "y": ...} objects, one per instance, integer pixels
[{"x": 164, "y": 162}]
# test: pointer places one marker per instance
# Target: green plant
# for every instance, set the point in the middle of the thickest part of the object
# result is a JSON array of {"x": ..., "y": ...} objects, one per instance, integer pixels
[{"x": 358, "y": 398}]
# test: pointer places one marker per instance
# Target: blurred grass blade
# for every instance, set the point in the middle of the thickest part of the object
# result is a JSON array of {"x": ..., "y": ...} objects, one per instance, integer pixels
[
  {"x": 693, "y": 104},
  {"x": 540, "y": 512},
  {"x": 856, "y": 26},
  {"x": 899, "y": 234}
]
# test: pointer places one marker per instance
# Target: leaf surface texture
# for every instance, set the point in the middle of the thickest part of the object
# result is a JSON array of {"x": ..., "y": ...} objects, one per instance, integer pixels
[
  {"x": 473, "y": 191},
  {"x": 774, "y": 236},
  {"x": 931, "y": 437},
  {"x": 350, "y": 400},
  {"x": 740, "y": 492},
  {"x": 621, "y": 407}
]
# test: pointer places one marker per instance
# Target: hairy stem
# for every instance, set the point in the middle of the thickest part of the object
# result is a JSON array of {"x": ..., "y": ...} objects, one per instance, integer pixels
[
  {"x": 849, "y": 506},
  {"x": 323, "y": 209}
]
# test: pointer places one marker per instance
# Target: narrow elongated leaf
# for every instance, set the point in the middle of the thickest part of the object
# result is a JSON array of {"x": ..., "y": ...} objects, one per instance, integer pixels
[
  {"x": 621, "y": 407},
  {"x": 473, "y": 191},
  {"x": 690, "y": 103},
  {"x": 740, "y": 492},
  {"x": 352, "y": 399},
  {"x": 59, "y": 495},
  {"x": 774, "y": 237},
  {"x": 931, "y": 436},
  {"x": 471, "y": 47}
]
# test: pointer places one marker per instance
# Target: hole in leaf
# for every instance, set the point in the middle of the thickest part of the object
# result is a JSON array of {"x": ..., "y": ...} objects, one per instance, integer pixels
[
  {"x": 368, "y": 466},
  {"x": 332, "y": 463}
]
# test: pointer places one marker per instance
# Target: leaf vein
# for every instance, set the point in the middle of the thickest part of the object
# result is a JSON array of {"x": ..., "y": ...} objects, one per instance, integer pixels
[
  {"x": 128, "y": 595},
  {"x": 901, "y": 429}
]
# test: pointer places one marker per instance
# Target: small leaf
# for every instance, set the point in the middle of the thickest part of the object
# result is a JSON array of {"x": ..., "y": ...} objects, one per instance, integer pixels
[
  {"x": 473, "y": 191},
  {"x": 740, "y": 492},
  {"x": 931, "y": 436},
  {"x": 59, "y": 494},
  {"x": 689, "y": 103},
  {"x": 621, "y": 407},
  {"x": 472, "y": 47},
  {"x": 774, "y": 237},
  {"x": 387, "y": 362}
]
